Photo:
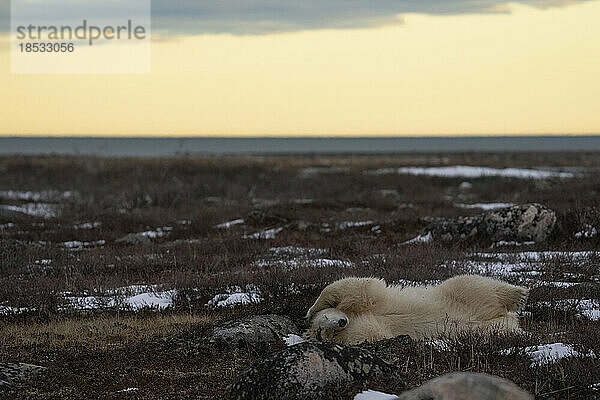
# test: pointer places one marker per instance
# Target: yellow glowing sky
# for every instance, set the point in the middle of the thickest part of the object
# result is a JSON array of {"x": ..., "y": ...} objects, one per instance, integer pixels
[{"x": 528, "y": 72}]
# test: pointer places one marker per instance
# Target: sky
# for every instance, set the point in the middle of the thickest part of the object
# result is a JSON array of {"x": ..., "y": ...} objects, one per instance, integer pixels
[{"x": 332, "y": 68}]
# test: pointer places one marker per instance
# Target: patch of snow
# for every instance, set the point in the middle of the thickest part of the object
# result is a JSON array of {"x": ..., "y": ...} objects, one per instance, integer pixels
[
  {"x": 75, "y": 244},
  {"x": 539, "y": 255},
  {"x": 354, "y": 224},
  {"x": 407, "y": 282},
  {"x": 43, "y": 210},
  {"x": 8, "y": 225},
  {"x": 143, "y": 296},
  {"x": 160, "y": 300},
  {"x": 132, "y": 389},
  {"x": 498, "y": 268},
  {"x": 389, "y": 193},
  {"x": 374, "y": 395},
  {"x": 440, "y": 344},
  {"x": 291, "y": 257},
  {"x": 485, "y": 206},
  {"x": 588, "y": 232},
  {"x": 558, "y": 284},
  {"x": 229, "y": 224},
  {"x": 266, "y": 234},
  {"x": 45, "y": 195},
  {"x": 292, "y": 339},
  {"x": 306, "y": 262},
  {"x": 157, "y": 233},
  {"x": 236, "y": 296},
  {"x": 463, "y": 171},
  {"x": 465, "y": 185},
  {"x": 547, "y": 353},
  {"x": 586, "y": 307},
  {"x": 504, "y": 243},
  {"x": 43, "y": 262},
  {"x": 297, "y": 251},
  {"x": 423, "y": 238},
  {"x": 88, "y": 225},
  {"x": 8, "y": 310}
]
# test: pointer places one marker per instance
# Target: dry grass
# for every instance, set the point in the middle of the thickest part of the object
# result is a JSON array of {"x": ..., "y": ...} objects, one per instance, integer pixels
[{"x": 102, "y": 332}]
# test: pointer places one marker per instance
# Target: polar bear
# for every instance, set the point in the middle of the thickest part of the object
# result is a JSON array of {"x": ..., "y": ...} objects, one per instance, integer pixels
[{"x": 354, "y": 310}]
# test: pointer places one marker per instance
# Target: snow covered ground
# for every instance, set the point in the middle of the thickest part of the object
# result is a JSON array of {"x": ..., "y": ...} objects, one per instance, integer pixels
[
  {"x": 157, "y": 233},
  {"x": 547, "y": 353},
  {"x": 236, "y": 295},
  {"x": 290, "y": 257},
  {"x": 43, "y": 210},
  {"x": 292, "y": 339},
  {"x": 44, "y": 196},
  {"x": 303, "y": 262},
  {"x": 229, "y": 224},
  {"x": 132, "y": 298},
  {"x": 77, "y": 245},
  {"x": 265, "y": 234},
  {"x": 88, "y": 225},
  {"x": 463, "y": 171},
  {"x": 588, "y": 308},
  {"x": 354, "y": 224},
  {"x": 589, "y": 231},
  {"x": 485, "y": 206}
]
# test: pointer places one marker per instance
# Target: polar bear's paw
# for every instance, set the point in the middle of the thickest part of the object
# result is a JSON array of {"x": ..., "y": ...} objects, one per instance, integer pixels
[{"x": 512, "y": 297}]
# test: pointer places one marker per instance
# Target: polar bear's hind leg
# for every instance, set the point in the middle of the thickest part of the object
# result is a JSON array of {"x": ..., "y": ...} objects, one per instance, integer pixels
[{"x": 485, "y": 297}]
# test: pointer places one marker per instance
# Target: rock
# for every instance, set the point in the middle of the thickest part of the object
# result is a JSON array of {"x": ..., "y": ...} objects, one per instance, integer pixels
[
  {"x": 14, "y": 372},
  {"x": 467, "y": 386},
  {"x": 304, "y": 370},
  {"x": 526, "y": 222},
  {"x": 253, "y": 330},
  {"x": 135, "y": 238}
]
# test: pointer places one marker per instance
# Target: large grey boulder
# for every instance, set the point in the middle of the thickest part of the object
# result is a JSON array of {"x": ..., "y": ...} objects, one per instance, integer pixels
[
  {"x": 11, "y": 373},
  {"x": 525, "y": 222},
  {"x": 467, "y": 386},
  {"x": 253, "y": 330},
  {"x": 304, "y": 370}
]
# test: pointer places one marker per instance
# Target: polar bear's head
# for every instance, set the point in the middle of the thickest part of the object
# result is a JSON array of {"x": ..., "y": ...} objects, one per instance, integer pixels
[{"x": 326, "y": 323}]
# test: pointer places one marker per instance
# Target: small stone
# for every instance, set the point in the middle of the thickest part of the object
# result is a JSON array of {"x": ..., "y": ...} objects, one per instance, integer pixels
[{"x": 253, "y": 330}]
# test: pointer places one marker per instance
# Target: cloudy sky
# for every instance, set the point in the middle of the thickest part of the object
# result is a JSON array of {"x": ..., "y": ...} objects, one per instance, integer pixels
[{"x": 338, "y": 67}]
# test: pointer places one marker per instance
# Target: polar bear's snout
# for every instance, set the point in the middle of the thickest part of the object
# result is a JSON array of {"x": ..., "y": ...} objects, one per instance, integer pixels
[{"x": 331, "y": 318}]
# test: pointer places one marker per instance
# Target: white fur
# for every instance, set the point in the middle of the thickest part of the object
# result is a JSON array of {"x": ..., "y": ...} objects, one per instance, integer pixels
[{"x": 376, "y": 311}]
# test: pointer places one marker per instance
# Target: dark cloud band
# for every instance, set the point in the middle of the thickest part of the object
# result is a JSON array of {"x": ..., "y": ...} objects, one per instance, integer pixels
[{"x": 264, "y": 16}]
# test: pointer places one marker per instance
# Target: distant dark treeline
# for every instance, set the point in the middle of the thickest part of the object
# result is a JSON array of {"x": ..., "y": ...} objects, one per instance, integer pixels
[{"x": 149, "y": 147}]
